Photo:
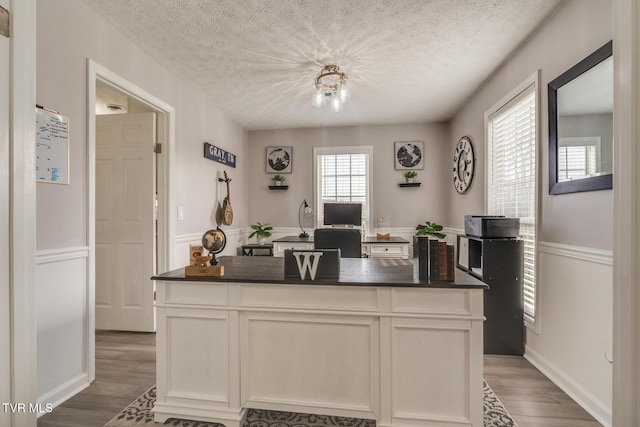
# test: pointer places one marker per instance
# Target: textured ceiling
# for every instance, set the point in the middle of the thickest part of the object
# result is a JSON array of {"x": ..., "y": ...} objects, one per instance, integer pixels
[{"x": 408, "y": 61}]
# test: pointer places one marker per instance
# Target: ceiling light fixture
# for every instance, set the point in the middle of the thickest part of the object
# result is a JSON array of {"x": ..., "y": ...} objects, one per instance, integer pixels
[
  {"x": 116, "y": 107},
  {"x": 331, "y": 87}
]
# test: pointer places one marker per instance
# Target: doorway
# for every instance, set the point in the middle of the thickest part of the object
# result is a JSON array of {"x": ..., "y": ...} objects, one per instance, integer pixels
[
  {"x": 153, "y": 251},
  {"x": 126, "y": 220}
]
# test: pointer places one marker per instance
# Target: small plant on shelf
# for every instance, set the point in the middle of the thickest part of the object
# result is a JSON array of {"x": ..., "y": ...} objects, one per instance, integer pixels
[
  {"x": 261, "y": 231},
  {"x": 410, "y": 175},
  {"x": 430, "y": 229},
  {"x": 278, "y": 179}
]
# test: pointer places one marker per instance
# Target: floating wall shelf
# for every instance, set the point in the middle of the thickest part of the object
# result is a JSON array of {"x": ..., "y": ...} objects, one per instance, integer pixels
[
  {"x": 278, "y": 187},
  {"x": 410, "y": 184}
]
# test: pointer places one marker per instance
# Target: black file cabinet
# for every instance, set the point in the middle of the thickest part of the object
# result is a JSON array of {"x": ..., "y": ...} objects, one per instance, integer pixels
[{"x": 499, "y": 263}]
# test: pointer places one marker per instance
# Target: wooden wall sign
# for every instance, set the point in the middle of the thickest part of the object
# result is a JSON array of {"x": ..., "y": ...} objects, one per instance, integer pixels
[{"x": 219, "y": 155}]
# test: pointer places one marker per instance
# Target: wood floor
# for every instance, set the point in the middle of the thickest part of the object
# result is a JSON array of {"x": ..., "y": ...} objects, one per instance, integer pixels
[
  {"x": 125, "y": 368},
  {"x": 530, "y": 397}
]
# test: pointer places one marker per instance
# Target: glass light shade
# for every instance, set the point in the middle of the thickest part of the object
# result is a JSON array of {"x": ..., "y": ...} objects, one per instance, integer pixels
[
  {"x": 336, "y": 105},
  {"x": 318, "y": 96},
  {"x": 343, "y": 91}
]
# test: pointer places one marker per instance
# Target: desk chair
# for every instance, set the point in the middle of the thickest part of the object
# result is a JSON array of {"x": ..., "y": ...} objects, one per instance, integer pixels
[{"x": 348, "y": 240}]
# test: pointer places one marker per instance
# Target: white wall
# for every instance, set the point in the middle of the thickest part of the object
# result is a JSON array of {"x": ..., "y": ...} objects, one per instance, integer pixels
[
  {"x": 575, "y": 303},
  {"x": 69, "y": 33},
  {"x": 574, "y": 346},
  {"x": 402, "y": 207},
  {"x": 575, "y": 31}
]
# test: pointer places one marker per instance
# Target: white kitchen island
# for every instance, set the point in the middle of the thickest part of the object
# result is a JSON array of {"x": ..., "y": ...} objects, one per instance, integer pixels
[{"x": 374, "y": 344}]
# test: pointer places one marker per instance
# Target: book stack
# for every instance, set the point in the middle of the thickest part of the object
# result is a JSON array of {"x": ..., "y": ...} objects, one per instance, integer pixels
[
  {"x": 433, "y": 260},
  {"x": 441, "y": 261}
]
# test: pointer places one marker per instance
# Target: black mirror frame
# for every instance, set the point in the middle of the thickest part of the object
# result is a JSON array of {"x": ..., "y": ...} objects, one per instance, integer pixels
[{"x": 603, "y": 182}]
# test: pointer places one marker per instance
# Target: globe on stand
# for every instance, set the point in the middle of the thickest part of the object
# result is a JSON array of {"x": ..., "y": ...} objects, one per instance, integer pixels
[{"x": 214, "y": 241}]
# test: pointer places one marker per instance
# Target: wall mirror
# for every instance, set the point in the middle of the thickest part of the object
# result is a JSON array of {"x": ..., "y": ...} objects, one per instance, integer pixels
[{"x": 581, "y": 125}]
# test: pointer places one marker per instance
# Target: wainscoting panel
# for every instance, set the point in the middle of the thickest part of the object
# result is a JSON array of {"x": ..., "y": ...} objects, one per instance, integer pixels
[
  {"x": 62, "y": 319},
  {"x": 575, "y": 314}
]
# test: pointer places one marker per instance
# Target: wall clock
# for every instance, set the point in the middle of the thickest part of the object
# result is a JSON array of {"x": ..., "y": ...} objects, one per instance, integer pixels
[{"x": 463, "y": 165}]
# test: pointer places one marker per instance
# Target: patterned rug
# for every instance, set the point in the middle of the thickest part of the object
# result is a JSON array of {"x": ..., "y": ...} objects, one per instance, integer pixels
[{"x": 138, "y": 414}]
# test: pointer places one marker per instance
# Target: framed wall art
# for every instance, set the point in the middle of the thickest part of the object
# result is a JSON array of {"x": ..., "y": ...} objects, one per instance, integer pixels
[
  {"x": 408, "y": 155},
  {"x": 279, "y": 159}
]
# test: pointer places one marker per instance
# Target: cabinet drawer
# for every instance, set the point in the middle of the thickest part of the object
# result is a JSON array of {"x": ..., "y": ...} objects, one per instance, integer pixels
[{"x": 387, "y": 250}]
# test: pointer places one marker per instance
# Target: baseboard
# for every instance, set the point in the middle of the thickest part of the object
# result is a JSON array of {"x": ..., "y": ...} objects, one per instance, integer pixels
[
  {"x": 588, "y": 402},
  {"x": 64, "y": 392}
]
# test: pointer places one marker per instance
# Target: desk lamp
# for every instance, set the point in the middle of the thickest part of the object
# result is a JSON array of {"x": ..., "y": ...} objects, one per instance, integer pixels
[{"x": 307, "y": 211}]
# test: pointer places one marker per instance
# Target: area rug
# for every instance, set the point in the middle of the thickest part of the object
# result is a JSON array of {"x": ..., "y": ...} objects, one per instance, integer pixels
[{"x": 138, "y": 414}]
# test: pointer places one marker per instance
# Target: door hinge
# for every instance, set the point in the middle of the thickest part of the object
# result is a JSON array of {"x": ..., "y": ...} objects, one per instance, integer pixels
[
  {"x": 4, "y": 22},
  {"x": 157, "y": 148}
]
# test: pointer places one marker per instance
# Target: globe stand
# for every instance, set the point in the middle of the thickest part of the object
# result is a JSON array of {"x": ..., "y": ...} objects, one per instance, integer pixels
[{"x": 214, "y": 260}]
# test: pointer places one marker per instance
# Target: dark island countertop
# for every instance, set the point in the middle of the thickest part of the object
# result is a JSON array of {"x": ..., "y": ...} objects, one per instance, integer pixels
[{"x": 353, "y": 272}]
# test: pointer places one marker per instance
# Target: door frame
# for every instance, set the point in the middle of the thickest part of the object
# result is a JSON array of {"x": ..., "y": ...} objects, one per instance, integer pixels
[
  {"x": 165, "y": 185},
  {"x": 22, "y": 211}
]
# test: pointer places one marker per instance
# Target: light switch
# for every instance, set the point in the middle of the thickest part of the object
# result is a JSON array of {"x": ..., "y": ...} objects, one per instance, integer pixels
[{"x": 180, "y": 213}]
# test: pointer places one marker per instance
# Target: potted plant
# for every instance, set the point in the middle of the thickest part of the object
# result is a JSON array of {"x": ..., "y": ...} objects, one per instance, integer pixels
[
  {"x": 430, "y": 229},
  {"x": 261, "y": 231},
  {"x": 278, "y": 179},
  {"x": 410, "y": 175}
]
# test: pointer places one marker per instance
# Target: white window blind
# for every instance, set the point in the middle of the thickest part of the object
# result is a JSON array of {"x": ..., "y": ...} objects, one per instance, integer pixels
[
  {"x": 578, "y": 157},
  {"x": 342, "y": 175},
  {"x": 512, "y": 178}
]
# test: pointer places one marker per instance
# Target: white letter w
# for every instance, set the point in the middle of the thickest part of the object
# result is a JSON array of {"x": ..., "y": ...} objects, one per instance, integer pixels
[{"x": 306, "y": 265}]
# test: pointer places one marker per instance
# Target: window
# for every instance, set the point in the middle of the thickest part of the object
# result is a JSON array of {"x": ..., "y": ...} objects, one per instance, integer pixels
[
  {"x": 578, "y": 157},
  {"x": 511, "y": 168},
  {"x": 342, "y": 175}
]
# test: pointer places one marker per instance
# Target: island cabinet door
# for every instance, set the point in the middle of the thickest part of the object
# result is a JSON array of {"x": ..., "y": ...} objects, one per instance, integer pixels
[
  {"x": 433, "y": 376},
  {"x": 197, "y": 355},
  {"x": 193, "y": 356},
  {"x": 315, "y": 363}
]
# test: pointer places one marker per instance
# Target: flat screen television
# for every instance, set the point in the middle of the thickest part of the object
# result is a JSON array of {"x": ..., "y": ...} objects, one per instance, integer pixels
[{"x": 343, "y": 214}]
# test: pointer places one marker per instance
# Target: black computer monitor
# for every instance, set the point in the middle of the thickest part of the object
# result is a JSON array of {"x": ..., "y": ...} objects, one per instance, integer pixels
[{"x": 343, "y": 214}]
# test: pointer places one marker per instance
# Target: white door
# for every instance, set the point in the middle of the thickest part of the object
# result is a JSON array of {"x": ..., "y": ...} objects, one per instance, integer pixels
[
  {"x": 5, "y": 308},
  {"x": 125, "y": 223}
]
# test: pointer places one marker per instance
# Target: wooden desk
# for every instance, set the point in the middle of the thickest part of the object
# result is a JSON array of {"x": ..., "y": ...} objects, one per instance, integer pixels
[
  {"x": 372, "y": 247},
  {"x": 374, "y": 344}
]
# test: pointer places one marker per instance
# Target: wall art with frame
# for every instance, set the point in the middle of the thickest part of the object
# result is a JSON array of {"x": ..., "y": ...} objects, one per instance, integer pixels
[
  {"x": 279, "y": 159},
  {"x": 408, "y": 155}
]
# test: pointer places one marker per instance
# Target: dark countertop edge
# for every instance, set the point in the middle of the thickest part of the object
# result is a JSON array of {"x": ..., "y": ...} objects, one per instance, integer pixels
[{"x": 178, "y": 276}]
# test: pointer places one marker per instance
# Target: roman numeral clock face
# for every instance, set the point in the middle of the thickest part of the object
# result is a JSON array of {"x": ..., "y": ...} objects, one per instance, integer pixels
[{"x": 463, "y": 162}]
